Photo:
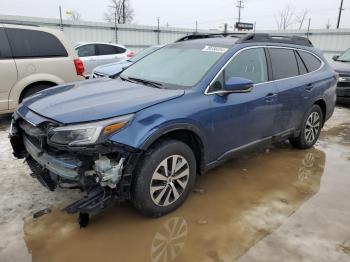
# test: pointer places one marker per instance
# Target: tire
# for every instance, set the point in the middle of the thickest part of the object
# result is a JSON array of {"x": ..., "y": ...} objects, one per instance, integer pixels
[
  {"x": 32, "y": 90},
  {"x": 309, "y": 134},
  {"x": 157, "y": 193}
]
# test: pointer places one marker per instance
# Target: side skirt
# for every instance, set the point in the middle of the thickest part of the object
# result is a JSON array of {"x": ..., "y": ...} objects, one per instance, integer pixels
[{"x": 253, "y": 146}]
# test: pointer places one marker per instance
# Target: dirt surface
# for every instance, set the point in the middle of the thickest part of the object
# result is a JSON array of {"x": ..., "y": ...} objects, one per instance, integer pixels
[{"x": 282, "y": 204}]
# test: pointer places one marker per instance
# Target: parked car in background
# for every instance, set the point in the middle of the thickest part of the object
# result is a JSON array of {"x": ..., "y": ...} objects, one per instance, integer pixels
[
  {"x": 32, "y": 59},
  {"x": 113, "y": 70},
  {"x": 176, "y": 113},
  {"x": 341, "y": 65},
  {"x": 96, "y": 54}
]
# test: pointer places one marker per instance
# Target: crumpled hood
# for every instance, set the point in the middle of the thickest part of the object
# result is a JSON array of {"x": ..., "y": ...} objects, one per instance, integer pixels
[
  {"x": 96, "y": 99},
  {"x": 341, "y": 67}
]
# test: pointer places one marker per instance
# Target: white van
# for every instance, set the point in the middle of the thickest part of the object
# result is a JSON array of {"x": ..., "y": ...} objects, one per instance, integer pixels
[{"x": 33, "y": 58}]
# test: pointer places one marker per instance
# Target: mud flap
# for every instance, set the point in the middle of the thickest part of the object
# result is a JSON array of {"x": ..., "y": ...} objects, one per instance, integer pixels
[{"x": 96, "y": 199}]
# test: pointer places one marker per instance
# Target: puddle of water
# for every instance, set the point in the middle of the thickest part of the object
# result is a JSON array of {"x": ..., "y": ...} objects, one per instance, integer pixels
[
  {"x": 272, "y": 206},
  {"x": 240, "y": 203}
]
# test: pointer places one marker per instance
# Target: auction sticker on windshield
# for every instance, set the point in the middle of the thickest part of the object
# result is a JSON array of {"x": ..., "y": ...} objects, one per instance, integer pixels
[{"x": 215, "y": 49}]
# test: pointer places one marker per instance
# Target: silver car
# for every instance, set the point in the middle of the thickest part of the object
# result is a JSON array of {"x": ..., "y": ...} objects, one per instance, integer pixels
[{"x": 94, "y": 54}]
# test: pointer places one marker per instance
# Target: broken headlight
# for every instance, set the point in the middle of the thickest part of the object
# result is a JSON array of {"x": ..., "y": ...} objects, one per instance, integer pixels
[{"x": 89, "y": 133}]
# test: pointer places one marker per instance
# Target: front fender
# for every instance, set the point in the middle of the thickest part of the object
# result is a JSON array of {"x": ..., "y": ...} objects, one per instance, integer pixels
[
  {"x": 142, "y": 132},
  {"x": 170, "y": 127}
]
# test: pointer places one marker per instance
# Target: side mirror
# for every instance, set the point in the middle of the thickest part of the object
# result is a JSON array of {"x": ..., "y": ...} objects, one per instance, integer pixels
[
  {"x": 335, "y": 58},
  {"x": 238, "y": 85}
]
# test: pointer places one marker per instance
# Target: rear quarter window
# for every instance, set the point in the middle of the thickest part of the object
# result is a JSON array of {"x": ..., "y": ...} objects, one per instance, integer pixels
[
  {"x": 284, "y": 63},
  {"x": 109, "y": 49},
  {"x": 32, "y": 43},
  {"x": 301, "y": 64},
  {"x": 312, "y": 63}
]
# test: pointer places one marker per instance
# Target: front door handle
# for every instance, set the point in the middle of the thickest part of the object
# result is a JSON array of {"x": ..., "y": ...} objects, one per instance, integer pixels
[
  {"x": 270, "y": 97},
  {"x": 309, "y": 87}
]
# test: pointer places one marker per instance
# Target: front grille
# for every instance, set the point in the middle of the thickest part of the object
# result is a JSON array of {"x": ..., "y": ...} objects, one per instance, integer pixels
[
  {"x": 36, "y": 134},
  {"x": 343, "y": 84},
  {"x": 30, "y": 129}
]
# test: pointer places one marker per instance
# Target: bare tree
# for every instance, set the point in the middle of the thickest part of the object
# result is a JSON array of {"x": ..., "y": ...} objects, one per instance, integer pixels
[
  {"x": 119, "y": 11},
  {"x": 300, "y": 18},
  {"x": 76, "y": 16},
  {"x": 285, "y": 18}
]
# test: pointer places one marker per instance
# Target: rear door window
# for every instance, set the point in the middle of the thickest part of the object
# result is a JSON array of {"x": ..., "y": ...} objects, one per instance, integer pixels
[
  {"x": 311, "y": 62},
  {"x": 103, "y": 49},
  {"x": 33, "y": 43},
  {"x": 284, "y": 63},
  {"x": 87, "y": 50}
]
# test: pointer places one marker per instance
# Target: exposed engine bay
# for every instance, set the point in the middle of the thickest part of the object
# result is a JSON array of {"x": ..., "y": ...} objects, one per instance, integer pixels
[{"x": 103, "y": 172}]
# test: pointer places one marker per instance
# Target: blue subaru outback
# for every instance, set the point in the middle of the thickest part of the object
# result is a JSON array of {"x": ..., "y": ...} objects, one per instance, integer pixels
[{"x": 171, "y": 116}]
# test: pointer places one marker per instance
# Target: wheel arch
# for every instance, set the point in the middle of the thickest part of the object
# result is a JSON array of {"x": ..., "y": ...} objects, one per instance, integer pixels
[
  {"x": 187, "y": 134},
  {"x": 322, "y": 104},
  {"x": 48, "y": 83}
]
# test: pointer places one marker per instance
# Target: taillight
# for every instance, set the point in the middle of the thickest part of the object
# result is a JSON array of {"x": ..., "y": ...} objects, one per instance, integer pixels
[
  {"x": 131, "y": 53},
  {"x": 79, "y": 67}
]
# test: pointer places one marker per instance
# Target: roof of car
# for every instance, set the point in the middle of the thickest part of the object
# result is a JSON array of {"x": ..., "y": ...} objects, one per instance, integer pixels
[
  {"x": 77, "y": 44},
  {"x": 220, "y": 41},
  {"x": 233, "y": 38}
]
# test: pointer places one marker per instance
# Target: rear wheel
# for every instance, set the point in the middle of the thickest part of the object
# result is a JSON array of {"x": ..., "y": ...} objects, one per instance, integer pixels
[
  {"x": 311, "y": 129},
  {"x": 33, "y": 89},
  {"x": 164, "y": 178}
]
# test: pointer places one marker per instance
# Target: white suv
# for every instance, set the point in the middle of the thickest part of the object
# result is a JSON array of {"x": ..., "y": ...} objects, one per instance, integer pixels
[
  {"x": 96, "y": 54},
  {"x": 33, "y": 58}
]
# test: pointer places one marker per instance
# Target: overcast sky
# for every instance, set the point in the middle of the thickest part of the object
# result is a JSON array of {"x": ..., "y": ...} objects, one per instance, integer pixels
[{"x": 184, "y": 13}]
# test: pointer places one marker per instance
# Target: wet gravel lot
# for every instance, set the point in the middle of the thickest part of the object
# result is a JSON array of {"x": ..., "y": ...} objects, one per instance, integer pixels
[{"x": 281, "y": 204}]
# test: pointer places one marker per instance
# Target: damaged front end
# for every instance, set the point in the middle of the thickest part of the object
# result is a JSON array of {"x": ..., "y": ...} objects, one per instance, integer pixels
[{"x": 103, "y": 169}]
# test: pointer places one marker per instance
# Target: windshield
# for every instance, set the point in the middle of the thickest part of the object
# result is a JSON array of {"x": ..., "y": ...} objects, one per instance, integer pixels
[
  {"x": 176, "y": 66},
  {"x": 345, "y": 56},
  {"x": 141, "y": 54}
]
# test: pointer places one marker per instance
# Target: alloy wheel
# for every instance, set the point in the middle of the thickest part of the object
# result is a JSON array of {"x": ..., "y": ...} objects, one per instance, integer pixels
[
  {"x": 312, "y": 127},
  {"x": 169, "y": 180}
]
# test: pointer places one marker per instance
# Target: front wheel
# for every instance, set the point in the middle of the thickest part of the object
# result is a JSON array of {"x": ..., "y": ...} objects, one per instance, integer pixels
[
  {"x": 310, "y": 130},
  {"x": 164, "y": 178}
]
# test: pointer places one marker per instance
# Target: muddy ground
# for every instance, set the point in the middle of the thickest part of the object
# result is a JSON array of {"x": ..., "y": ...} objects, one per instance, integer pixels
[{"x": 281, "y": 204}]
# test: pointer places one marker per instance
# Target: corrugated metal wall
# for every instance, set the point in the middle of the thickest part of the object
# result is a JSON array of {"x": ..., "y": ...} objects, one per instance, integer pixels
[{"x": 137, "y": 37}]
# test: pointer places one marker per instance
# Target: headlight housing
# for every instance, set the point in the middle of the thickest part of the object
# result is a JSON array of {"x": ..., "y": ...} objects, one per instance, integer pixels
[{"x": 89, "y": 133}]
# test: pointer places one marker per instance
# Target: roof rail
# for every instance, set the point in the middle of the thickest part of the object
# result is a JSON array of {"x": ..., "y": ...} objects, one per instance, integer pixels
[
  {"x": 201, "y": 36},
  {"x": 14, "y": 22},
  {"x": 261, "y": 37}
]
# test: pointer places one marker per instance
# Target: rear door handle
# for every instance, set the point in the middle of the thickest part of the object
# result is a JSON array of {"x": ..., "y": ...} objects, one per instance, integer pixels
[
  {"x": 309, "y": 87},
  {"x": 270, "y": 97}
]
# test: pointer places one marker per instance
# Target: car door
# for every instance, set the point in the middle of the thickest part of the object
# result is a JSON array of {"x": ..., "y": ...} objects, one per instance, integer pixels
[
  {"x": 285, "y": 71},
  {"x": 88, "y": 54},
  {"x": 242, "y": 119},
  {"x": 8, "y": 70},
  {"x": 293, "y": 86},
  {"x": 109, "y": 54}
]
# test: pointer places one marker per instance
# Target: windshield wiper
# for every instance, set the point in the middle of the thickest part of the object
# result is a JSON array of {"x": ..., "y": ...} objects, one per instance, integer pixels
[
  {"x": 126, "y": 79},
  {"x": 146, "y": 82}
]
